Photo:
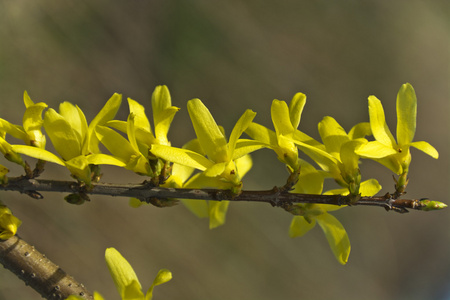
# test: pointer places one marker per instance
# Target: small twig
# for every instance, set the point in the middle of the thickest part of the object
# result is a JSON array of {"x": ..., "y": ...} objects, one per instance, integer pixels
[
  {"x": 276, "y": 197},
  {"x": 37, "y": 271}
]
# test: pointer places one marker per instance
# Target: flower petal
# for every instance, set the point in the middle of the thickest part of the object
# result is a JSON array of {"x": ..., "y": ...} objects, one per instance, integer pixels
[
  {"x": 142, "y": 135},
  {"x": 304, "y": 138},
  {"x": 32, "y": 123},
  {"x": 336, "y": 236},
  {"x": 7, "y": 150},
  {"x": 27, "y": 100},
  {"x": 281, "y": 119},
  {"x": 216, "y": 169},
  {"x": 161, "y": 100},
  {"x": 325, "y": 160},
  {"x": 181, "y": 156},
  {"x": 79, "y": 168},
  {"x": 208, "y": 133},
  {"x": 115, "y": 143},
  {"x": 369, "y": 188},
  {"x": 310, "y": 180},
  {"x": 426, "y": 147},
  {"x": 380, "y": 130},
  {"x": 38, "y": 153},
  {"x": 333, "y": 136},
  {"x": 141, "y": 120},
  {"x": 124, "y": 150},
  {"x": 132, "y": 133},
  {"x": 299, "y": 226},
  {"x": 217, "y": 213},
  {"x": 163, "y": 113},
  {"x": 180, "y": 173},
  {"x": 123, "y": 275},
  {"x": 65, "y": 140},
  {"x": 75, "y": 117},
  {"x": 163, "y": 124},
  {"x": 296, "y": 109},
  {"x": 262, "y": 134},
  {"x": 348, "y": 156},
  {"x": 375, "y": 149},
  {"x": 163, "y": 276},
  {"x": 14, "y": 130},
  {"x": 360, "y": 130},
  {"x": 97, "y": 296},
  {"x": 243, "y": 165},
  {"x": 241, "y": 125},
  {"x": 8, "y": 223},
  {"x": 406, "y": 114},
  {"x": 108, "y": 112},
  {"x": 105, "y": 159},
  {"x": 198, "y": 207},
  {"x": 244, "y": 147}
]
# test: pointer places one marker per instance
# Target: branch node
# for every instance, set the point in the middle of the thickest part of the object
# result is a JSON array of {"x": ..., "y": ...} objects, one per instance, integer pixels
[
  {"x": 390, "y": 204},
  {"x": 34, "y": 195},
  {"x": 275, "y": 202},
  {"x": 161, "y": 202}
]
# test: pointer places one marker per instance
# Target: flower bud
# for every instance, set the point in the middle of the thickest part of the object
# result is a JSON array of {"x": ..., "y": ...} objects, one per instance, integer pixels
[{"x": 428, "y": 205}]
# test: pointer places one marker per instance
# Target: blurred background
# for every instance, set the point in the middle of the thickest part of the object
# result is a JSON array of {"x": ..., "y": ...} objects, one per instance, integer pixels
[{"x": 236, "y": 55}]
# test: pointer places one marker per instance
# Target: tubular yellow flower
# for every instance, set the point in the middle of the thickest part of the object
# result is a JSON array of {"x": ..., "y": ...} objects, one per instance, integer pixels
[
  {"x": 285, "y": 121},
  {"x": 74, "y": 140},
  {"x": 221, "y": 155},
  {"x": 307, "y": 215},
  {"x": 393, "y": 154},
  {"x": 30, "y": 133},
  {"x": 140, "y": 135},
  {"x": 125, "y": 278},
  {"x": 225, "y": 162},
  {"x": 337, "y": 155},
  {"x": 385, "y": 149}
]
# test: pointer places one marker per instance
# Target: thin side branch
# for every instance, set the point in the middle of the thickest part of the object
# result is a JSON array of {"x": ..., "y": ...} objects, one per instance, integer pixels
[
  {"x": 278, "y": 197},
  {"x": 37, "y": 271}
]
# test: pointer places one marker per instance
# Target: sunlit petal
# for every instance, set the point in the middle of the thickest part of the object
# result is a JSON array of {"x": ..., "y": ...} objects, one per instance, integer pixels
[
  {"x": 378, "y": 124},
  {"x": 208, "y": 133},
  {"x": 406, "y": 114},
  {"x": 296, "y": 109},
  {"x": 299, "y": 226},
  {"x": 336, "y": 236},
  {"x": 427, "y": 148}
]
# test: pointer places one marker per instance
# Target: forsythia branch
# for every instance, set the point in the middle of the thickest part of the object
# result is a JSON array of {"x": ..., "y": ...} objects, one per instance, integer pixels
[
  {"x": 37, "y": 271},
  {"x": 277, "y": 197}
]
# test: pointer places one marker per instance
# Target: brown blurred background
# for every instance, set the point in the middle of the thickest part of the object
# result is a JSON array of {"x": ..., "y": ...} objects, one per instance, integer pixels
[{"x": 236, "y": 55}]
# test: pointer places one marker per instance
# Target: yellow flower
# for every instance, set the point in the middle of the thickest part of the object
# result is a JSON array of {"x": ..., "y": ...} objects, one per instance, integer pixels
[
  {"x": 74, "y": 140},
  {"x": 285, "y": 121},
  {"x": 8, "y": 223},
  {"x": 224, "y": 165},
  {"x": 395, "y": 154},
  {"x": 221, "y": 155},
  {"x": 385, "y": 149},
  {"x": 30, "y": 132},
  {"x": 134, "y": 152},
  {"x": 125, "y": 278},
  {"x": 337, "y": 153},
  {"x": 307, "y": 215}
]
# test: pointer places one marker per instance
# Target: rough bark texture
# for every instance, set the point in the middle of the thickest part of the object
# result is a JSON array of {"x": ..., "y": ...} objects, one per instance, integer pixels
[{"x": 38, "y": 272}]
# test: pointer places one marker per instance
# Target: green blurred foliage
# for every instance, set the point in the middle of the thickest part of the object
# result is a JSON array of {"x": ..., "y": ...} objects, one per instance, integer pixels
[{"x": 236, "y": 55}]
